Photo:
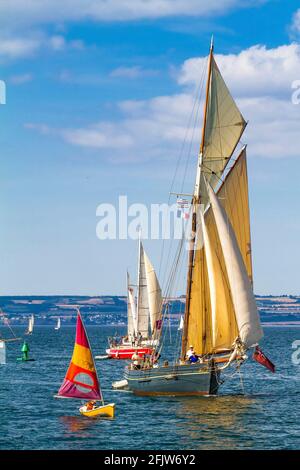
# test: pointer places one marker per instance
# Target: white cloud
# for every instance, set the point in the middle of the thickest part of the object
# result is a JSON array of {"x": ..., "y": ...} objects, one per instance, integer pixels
[
  {"x": 261, "y": 80},
  {"x": 14, "y": 48},
  {"x": 253, "y": 72},
  {"x": 295, "y": 26},
  {"x": 57, "y": 43},
  {"x": 34, "y": 12},
  {"x": 102, "y": 135},
  {"x": 20, "y": 79},
  {"x": 132, "y": 72}
]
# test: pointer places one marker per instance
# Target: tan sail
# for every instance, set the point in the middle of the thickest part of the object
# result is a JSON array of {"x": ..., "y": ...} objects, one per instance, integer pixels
[
  {"x": 242, "y": 295},
  {"x": 154, "y": 294},
  {"x": 199, "y": 330},
  {"x": 233, "y": 195},
  {"x": 223, "y": 127}
]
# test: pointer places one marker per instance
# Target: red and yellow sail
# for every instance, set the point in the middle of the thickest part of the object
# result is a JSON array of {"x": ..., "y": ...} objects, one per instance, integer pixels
[{"x": 81, "y": 380}]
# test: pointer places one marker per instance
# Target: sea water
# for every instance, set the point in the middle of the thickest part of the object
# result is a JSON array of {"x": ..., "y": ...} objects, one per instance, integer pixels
[{"x": 255, "y": 409}]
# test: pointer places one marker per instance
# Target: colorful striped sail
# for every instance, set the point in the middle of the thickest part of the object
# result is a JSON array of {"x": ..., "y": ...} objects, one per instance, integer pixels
[{"x": 81, "y": 380}]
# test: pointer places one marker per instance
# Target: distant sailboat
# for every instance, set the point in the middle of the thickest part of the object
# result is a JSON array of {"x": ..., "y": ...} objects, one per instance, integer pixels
[
  {"x": 58, "y": 324},
  {"x": 3, "y": 341},
  {"x": 30, "y": 325},
  {"x": 143, "y": 314},
  {"x": 81, "y": 380},
  {"x": 221, "y": 320},
  {"x": 181, "y": 323}
]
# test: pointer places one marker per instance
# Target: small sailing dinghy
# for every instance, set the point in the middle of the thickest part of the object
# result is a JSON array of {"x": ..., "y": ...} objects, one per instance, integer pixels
[
  {"x": 81, "y": 380},
  {"x": 58, "y": 324},
  {"x": 29, "y": 330}
]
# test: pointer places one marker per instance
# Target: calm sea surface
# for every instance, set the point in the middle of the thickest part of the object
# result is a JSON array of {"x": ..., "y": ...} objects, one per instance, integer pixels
[{"x": 267, "y": 416}]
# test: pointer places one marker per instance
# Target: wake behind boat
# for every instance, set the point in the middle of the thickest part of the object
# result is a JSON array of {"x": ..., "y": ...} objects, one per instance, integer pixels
[
  {"x": 221, "y": 321},
  {"x": 143, "y": 316}
]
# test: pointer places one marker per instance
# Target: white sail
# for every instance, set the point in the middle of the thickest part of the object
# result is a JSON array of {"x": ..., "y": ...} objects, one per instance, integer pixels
[
  {"x": 241, "y": 290},
  {"x": 131, "y": 311},
  {"x": 181, "y": 323},
  {"x": 154, "y": 293},
  {"x": 2, "y": 352},
  {"x": 142, "y": 297},
  {"x": 30, "y": 324},
  {"x": 58, "y": 324}
]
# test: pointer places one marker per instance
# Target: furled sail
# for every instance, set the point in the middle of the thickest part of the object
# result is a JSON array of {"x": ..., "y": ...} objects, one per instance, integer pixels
[
  {"x": 154, "y": 294},
  {"x": 131, "y": 310},
  {"x": 245, "y": 308},
  {"x": 81, "y": 380},
  {"x": 223, "y": 127},
  {"x": 142, "y": 301}
]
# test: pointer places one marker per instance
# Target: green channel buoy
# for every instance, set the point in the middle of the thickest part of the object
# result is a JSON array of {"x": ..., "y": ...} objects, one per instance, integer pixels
[{"x": 25, "y": 353}]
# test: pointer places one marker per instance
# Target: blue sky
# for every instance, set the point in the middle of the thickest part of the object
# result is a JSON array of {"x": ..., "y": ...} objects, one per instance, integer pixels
[{"x": 98, "y": 98}]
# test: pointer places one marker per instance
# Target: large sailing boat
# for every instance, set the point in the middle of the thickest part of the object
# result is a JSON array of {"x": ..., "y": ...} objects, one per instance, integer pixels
[
  {"x": 143, "y": 315},
  {"x": 221, "y": 320}
]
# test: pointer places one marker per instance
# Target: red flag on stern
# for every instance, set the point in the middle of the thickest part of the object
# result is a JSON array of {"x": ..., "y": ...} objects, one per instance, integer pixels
[{"x": 259, "y": 356}]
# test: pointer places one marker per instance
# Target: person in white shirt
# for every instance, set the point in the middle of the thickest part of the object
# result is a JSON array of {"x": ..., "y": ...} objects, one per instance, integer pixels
[{"x": 190, "y": 352}]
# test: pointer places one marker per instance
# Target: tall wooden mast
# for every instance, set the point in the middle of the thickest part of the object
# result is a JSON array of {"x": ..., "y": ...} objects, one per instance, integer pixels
[{"x": 195, "y": 203}]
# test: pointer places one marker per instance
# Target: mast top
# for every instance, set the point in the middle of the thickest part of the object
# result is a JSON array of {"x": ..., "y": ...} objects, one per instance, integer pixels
[{"x": 212, "y": 43}]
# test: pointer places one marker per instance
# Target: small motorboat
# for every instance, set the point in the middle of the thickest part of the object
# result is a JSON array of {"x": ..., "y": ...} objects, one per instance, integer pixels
[{"x": 106, "y": 411}]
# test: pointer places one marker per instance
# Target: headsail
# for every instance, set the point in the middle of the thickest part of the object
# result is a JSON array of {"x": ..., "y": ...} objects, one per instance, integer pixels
[
  {"x": 245, "y": 308},
  {"x": 131, "y": 310},
  {"x": 154, "y": 294},
  {"x": 223, "y": 127},
  {"x": 81, "y": 380},
  {"x": 142, "y": 297}
]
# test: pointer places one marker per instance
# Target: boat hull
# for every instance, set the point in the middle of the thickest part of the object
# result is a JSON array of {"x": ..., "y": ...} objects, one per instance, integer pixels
[
  {"x": 180, "y": 380},
  {"x": 126, "y": 353},
  {"x": 106, "y": 411}
]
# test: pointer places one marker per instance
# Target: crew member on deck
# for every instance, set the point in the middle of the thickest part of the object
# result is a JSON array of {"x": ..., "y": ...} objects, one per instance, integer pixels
[
  {"x": 136, "y": 360},
  {"x": 190, "y": 351},
  {"x": 193, "y": 358}
]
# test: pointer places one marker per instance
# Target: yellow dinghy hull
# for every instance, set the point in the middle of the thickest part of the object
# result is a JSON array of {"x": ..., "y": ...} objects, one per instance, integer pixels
[{"x": 107, "y": 411}]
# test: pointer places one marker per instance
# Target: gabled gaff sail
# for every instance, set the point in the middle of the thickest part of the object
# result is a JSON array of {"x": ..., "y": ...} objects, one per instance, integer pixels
[
  {"x": 245, "y": 308},
  {"x": 223, "y": 127}
]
